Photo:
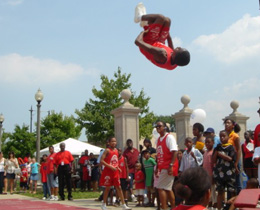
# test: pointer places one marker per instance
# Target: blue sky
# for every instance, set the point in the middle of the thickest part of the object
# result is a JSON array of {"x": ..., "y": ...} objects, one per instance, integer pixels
[{"x": 62, "y": 47}]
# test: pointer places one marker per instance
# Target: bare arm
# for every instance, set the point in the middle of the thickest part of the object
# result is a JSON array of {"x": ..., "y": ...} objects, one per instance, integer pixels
[
  {"x": 169, "y": 40},
  {"x": 224, "y": 156},
  {"x": 106, "y": 152},
  {"x": 238, "y": 149}
]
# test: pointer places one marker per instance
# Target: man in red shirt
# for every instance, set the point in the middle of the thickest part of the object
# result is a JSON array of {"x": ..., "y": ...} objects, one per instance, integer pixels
[
  {"x": 63, "y": 166},
  {"x": 84, "y": 162},
  {"x": 131, "y": 154},
  {"x": 151, "y": 41},
  {"x": 52, "y": 179}
]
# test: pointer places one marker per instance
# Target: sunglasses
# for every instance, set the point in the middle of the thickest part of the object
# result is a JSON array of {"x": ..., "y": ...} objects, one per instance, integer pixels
[{"x": 158, "y": 126}]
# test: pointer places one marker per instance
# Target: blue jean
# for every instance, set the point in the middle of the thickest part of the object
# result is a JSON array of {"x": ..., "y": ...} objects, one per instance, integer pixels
[{"x": 46, "y": 190}]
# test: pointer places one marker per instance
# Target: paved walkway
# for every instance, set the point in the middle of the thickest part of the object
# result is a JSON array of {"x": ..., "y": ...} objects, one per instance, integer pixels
[{"x": 21, "y": 202}]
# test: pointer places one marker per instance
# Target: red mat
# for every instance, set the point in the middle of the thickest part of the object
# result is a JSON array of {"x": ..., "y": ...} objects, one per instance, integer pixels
[{"x": 18, "y": 204}]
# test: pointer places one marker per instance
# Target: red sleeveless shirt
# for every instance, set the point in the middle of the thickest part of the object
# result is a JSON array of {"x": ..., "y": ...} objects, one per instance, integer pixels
[{"x": 122, "y": 166}]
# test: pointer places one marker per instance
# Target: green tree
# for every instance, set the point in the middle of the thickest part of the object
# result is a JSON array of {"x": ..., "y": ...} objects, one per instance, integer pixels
[
  {"x": 96, "y": 118},
  {"x": 167, "y": 119},
  {"x": 55, "y": 128},
  {"x": 21, "y": 142}
]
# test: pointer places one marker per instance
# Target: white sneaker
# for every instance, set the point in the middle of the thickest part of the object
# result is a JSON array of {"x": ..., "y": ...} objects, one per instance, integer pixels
[
  {"x": 52, "y": 198},
  {"x": 44, "y": 198},
  {"x": 56, "y": 198},
  {"x": 139, "y": 12},
  {"x": 125, "y": 207},
  {"x": 133, "y": 198},
  {"x": 103, "y": 206}
]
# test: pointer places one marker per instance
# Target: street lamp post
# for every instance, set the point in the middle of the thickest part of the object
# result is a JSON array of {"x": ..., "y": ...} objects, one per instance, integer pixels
[
  {"x": 1, "y": 126},
  {"x": 38, "y": 98}
]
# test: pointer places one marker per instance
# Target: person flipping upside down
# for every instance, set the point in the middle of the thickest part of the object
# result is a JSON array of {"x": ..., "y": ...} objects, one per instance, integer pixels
[{"x": 151, "y": 41}]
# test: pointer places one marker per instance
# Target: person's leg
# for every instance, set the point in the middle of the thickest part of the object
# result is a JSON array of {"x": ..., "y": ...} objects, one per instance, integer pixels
[
  {"x": 68, "y": 181},
  {"x": 11, "y": 185},
  {"x": 171, "y": 197},
  {"x": 120, "y": 194},
  {"x": 5, "y": 185},
  {"x": 61, "y": 182},
  {"x": 154, "y": 19},
  {"x": 149, "y": 195},
  {"x": 35, "y": 186},
  {"x": 105, "y": 195},
  {"x": 220, "y": 198},
  {"x": 1, "y": 182},
  {"x": 163, "y": 198}
]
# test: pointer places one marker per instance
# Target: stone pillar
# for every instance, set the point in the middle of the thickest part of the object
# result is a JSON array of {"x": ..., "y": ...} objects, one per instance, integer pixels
[
  {"x": 239, "y": 119},
  {"x": 126, "y": 121},
  {"x": 182, "y": 122}
]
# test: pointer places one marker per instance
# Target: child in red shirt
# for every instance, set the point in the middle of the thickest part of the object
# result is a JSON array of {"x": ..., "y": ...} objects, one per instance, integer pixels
[
  {"x": 43, "y": 171},
  {"x": 139, "y": 184},
  {"x": 23, "y": 178},
  {"x": 110, "y": 174}
]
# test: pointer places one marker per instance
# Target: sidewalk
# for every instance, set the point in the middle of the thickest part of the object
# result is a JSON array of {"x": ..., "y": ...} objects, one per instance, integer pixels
[{"x": 21, "y": 202}]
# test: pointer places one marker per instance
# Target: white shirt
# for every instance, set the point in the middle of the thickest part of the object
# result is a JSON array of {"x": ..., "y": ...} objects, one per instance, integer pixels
[
  {"x": 256, "y": 155},
  {"x": 188, "y": 161},
  {"x": 2, "y": 165},
  {"x": 170, "y": 142}
]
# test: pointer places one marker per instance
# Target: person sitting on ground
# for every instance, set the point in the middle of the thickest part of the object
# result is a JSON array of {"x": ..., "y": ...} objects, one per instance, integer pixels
[
  {"x": 194, "y": 187},
  {"x": 151, "y": 41}
]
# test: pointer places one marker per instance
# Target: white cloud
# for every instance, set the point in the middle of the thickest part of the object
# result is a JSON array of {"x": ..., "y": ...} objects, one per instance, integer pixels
[
  {"x": 177, "y": 42},
  {"x": 13, "y": 2},
  {"x": 239, "y": 41},
  {"x": 17, "y": 69}
]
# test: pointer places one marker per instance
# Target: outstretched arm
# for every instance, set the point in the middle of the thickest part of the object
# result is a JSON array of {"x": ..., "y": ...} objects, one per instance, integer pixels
[{"x": 169, "y": 40}]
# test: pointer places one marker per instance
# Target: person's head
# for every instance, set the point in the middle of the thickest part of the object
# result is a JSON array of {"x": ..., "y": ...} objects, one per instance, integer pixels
[
  {"x": 146, "y": 154},
  {"x": 33, "y": 160},
  {"x": 182, "y": 56},
  {"x": 62, "y": 147},
  {"x": 23, "y": 166},
  {"x": 112, "y": 142},
  {"x": 29, "y": 159},
  {"x": 209, "y": 132},
  {"x": 147, "y": 143},
  {"x": 119, "y": 152},
  {"x": 188, "y": 143},
  {"x": 209, "y": 142},
  {"x": 51, "y": 149},
  {"x": 252, "y": 183},
  {"x": 161, "y": 128},
  {"x": 86, "y": 152},
  {"x": 179, "y": 154},
  {"x": 223, "y": 135},
  {"x": 247, "y": 136},
  {"x": 91, "y": 155},
  {"x": 11, "y": 155},
  {"x": 231, "y": 125},
  {"x": 194, "y": 186},
  {"x": 129, "y": 143},
  {"x": 138, "y": 166},
  {"x": 44, "y": 158},
  {"x": 198, "y": 129}
]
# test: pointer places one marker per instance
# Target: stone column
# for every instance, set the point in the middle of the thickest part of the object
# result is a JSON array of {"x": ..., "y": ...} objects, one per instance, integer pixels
[
  {"x": 126, "y": 121},
  {"x": 239, "y": 119},
  {"x": 182, "y": 122}
]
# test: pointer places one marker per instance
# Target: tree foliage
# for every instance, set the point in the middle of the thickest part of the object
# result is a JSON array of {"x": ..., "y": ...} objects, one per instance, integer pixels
[
  {"x": 56, "y": 127},
  {"x": 96, "y": 116},
  {"x": 21, "y": 142}
]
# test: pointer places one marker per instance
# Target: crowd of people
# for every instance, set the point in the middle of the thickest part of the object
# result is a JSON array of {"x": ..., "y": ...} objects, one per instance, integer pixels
[{"x": 166, "y": 176}]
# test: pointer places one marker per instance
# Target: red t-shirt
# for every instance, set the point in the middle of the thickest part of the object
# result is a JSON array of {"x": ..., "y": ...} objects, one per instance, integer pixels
[
  {"x": 83, "y": 161},
  {"x": 64, "y": 158},
  {"x": 131, "y": 158},
  {"x": 186, "y": 207},
  {"x": 247, "y": 153},
  {"x": 43, "y": 171},
  {"x": 24, "y": 175},
  {"x": 139, "y": 175},
  {"x": 50, "y": 165},
  {"x": 122, "y": 166}
]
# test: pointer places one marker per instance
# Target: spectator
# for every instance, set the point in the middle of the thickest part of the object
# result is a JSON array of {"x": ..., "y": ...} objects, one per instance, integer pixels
[
  {"x": 94, "y": 171},
  {"x": 52, "y": 178},
  {"x": 131, "y": 154},
  {"x": 224, "y": 157},
  {"x": 26, "y": 158},
  {"x": 28, "y": 167},
  {"x": 166, "y": 148},
  {"x": 148, "y": 144},
  {"x": 62, "y": 167},
  {"x": 139, "y": 184},
  {"x": 149, "y": 164},
  {"x": 43, "y": 170},
  {"x": 194, "y": 187},
  {"x": 23, "y": 178},
  {"x": 2, "y": 172},
  {"x": 199, "y": 140},
  {"x": 86, "y": 178},
  {"x": 247, "y": 151},
  {"x": 11, "y": 165},
  {"x": 211, "y": 132},
  {"x": 191, "y": 157},
  {"x": 34, "y": 175},
  {"x": 256, "y": 158}
]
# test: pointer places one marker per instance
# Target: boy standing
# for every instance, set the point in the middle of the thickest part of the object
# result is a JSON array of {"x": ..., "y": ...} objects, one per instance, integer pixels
[
  {"x": 23, "y": 178},
  {"x": 139, "y": 184}
]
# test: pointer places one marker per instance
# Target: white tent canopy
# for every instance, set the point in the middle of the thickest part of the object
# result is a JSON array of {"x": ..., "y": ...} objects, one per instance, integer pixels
[{"x": 76, "y": 147}]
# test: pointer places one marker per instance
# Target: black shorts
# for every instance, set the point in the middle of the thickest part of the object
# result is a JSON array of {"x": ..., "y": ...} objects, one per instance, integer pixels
[
  {"x": 10, "y": 176},
  {"x": 23, "y": 184},
  {"x": 124, "y": 184}
]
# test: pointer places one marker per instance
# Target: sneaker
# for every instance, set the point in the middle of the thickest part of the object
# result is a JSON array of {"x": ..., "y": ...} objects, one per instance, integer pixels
[
  {"x": 125, "y": 207},
  {"x": 44, "y": 198},
  {"x": 133, "y": 198},
  {"x": 51, "y": 198},
  {"x": 139, "y": 12},
  {"x": 103, "y": 206},
  {"x": 56, "y": 198}
]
